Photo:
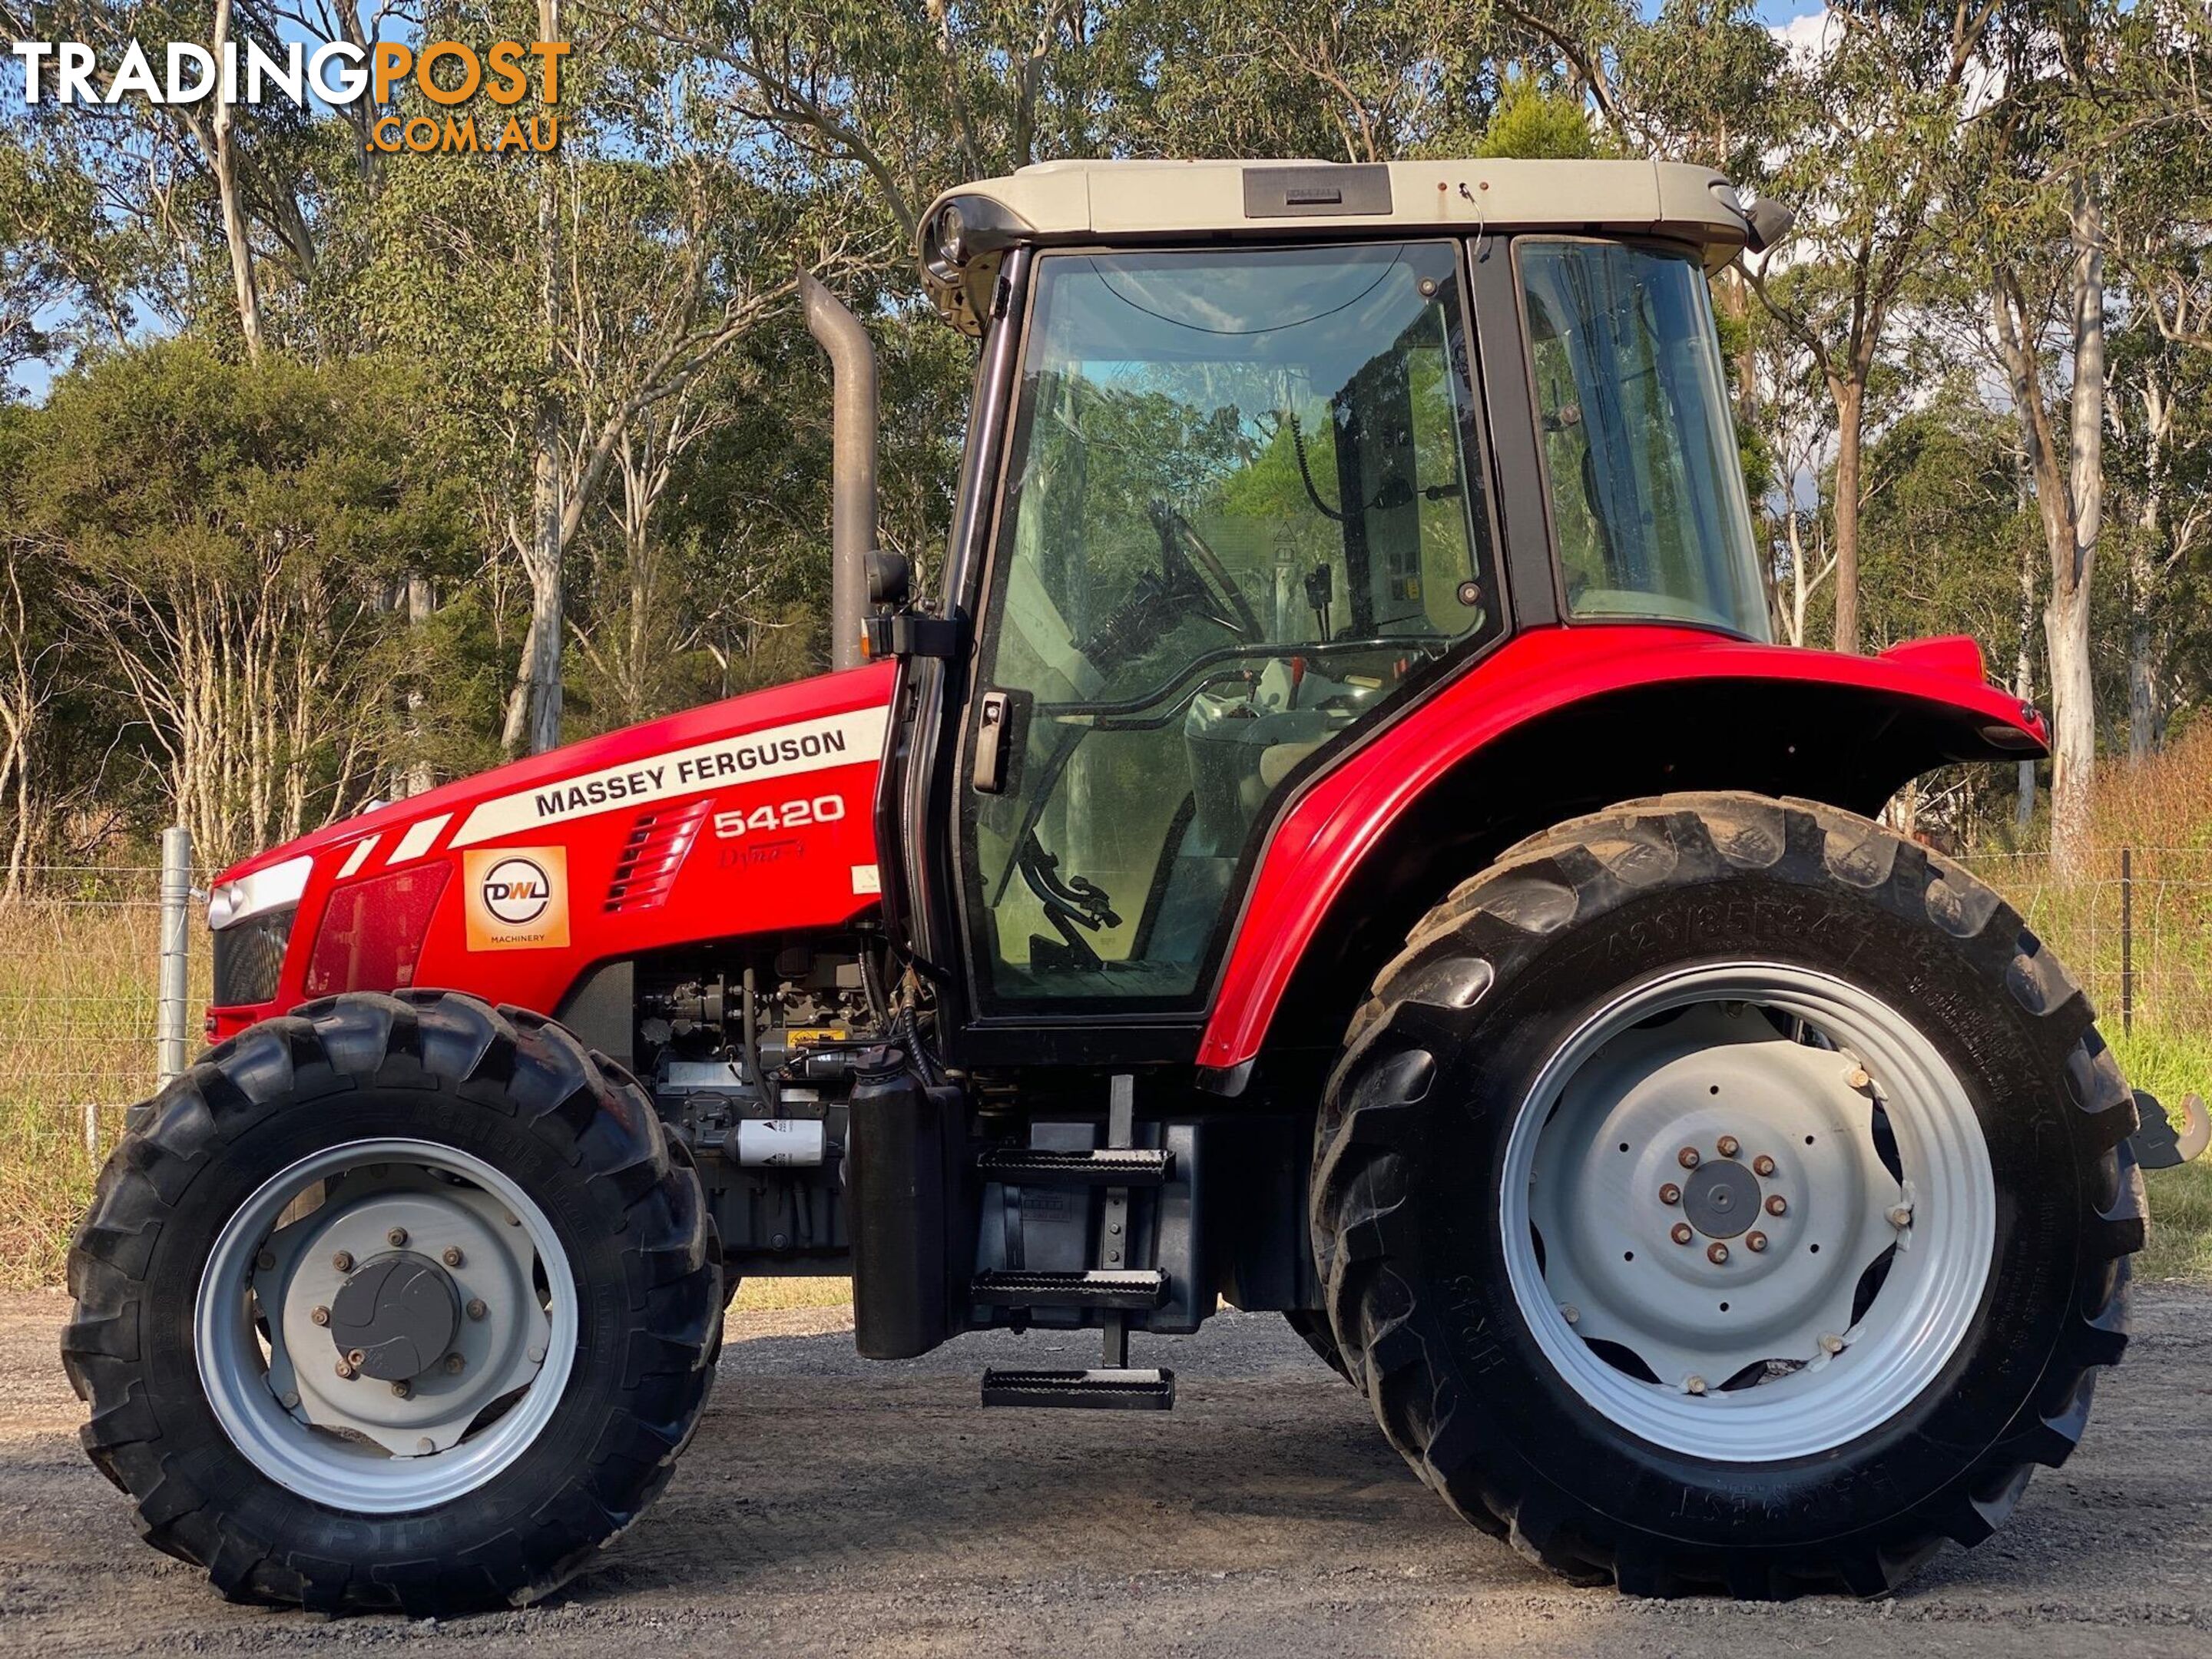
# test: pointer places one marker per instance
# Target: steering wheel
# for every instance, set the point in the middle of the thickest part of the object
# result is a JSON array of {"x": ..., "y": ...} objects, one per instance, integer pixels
[{"x": 1236, "y": 615}]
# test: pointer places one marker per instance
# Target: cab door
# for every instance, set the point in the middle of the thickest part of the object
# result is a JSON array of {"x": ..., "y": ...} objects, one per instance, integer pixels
[{"x": 1244, "y": 511}]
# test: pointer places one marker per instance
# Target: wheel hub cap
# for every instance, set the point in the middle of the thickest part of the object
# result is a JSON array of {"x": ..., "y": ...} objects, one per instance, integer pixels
[
  {"x": 398, "y": 1314},
  {"x": 1721, "y": 1198}
]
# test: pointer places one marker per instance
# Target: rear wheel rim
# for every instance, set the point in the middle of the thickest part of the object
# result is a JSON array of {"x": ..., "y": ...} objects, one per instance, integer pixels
[
  {"x": 385, "y": 1444},
  {"x": 1693, "y": 1103}
]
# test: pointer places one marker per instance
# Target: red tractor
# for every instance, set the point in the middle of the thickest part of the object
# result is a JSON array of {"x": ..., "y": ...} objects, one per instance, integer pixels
[{"x": 1340, "y": 840}]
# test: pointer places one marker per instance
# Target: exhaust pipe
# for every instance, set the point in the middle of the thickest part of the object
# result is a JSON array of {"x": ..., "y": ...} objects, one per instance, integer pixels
[{"x": 853, "y": 473}]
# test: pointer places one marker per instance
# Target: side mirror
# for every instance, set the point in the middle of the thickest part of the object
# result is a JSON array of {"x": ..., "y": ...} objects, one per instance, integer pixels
[
  {"x": 890, "y": 579},
  {"x": 1770, "y": 221}
]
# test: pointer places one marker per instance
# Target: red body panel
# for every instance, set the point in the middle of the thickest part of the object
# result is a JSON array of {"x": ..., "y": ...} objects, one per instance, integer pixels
[
  {"x": 1343, "y": 812},
  {"x": 739, "y": 841}
]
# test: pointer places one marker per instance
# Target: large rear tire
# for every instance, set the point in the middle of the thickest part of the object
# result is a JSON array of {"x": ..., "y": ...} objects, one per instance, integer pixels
[
  {"x": 397, "y": 1302},
  {"x": 1589, "y": 1139}
]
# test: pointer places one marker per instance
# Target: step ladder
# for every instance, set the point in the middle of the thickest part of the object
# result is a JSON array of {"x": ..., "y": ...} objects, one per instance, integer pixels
[{"x": 1114, "y": 1288}]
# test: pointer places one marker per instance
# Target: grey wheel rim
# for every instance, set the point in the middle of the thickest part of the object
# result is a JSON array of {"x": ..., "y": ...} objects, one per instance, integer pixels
[
  {"x": 1701, "y": 1222},
  {"x": 474, "y": 1344}
]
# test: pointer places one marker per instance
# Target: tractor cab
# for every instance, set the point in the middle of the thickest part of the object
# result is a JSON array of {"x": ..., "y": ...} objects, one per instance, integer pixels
[{"x": 1260, "y": 454}]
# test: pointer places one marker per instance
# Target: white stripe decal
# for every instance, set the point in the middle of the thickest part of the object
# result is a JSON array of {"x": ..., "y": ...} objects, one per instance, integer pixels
[
  {"x": 359, "y": 856},
  {"x": 778, "y": 751},
  {"x": 421, "y": 836}
]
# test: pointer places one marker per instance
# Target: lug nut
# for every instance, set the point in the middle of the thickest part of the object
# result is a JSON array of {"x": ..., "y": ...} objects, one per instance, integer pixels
[
  {"x": 402, "y": 1388},
  {"x": 1693, "y": 1384},
  {"x": 343, "y": 1261},
  {"x": 1680, "y": 1234},
  {"x": 1901, "y": 1216},
  {"x": 1762, "y": 1165},
  {"x": 1777, "y": 1205},
  {"x": 345, "y": 1371},
  {"x": 1832, "y": 1344},
  {"x": 1687, "y": 1157},
  {"x": 1716, "y": 1253},
  {"x": 1755, "y": 1241},
  {"x": 477, "y": 1310},
  {"x": 537, "y": 1354},
  {"x": 1670, "y": 1193},
  {"x": 266, "y": 1260},
  {"x": 396, "y": 1237},
  {"x": 1729, "y": 1145},
  {"x": 454, "y": 1363},
  {"x": 425, "y": 1446},
  {"x": 1571, "y": 1314},
  {"x": 1858, "y": 1078},
  {"x": 319, "y": 1316},
  {"x": 288, "y": 1400},
  {"x": 356, "y": 1358},
  {"x": 453, "y": 1255}
]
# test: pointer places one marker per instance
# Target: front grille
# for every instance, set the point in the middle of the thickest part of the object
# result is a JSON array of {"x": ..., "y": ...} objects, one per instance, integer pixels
[{"x": 248, "y": 957}]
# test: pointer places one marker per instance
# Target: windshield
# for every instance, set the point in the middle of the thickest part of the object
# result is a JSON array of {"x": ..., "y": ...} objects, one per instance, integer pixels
[
  {"x": 1646, "y": 482},
  {"x": 1244, "y": 505}
]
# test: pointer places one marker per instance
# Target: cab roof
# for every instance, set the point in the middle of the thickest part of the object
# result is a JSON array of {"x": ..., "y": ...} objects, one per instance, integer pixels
[{"x": 1116, "y": 203}]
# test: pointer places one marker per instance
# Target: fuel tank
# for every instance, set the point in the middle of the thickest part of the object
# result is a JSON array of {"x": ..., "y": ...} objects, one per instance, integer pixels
[{"x": 748, "y": 816}]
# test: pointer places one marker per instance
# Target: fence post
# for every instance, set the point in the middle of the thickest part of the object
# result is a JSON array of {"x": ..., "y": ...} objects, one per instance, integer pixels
[
  {"x": 2127, "y": 940},
  {"x": 172, "y": 1015}
]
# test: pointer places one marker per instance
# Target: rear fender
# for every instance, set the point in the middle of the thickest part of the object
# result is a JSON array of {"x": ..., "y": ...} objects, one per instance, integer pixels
[{"x": 1556, "y": 723}]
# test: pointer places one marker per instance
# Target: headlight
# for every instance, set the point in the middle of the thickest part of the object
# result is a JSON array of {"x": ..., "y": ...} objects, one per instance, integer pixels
[{"x": 264, "y": 891}]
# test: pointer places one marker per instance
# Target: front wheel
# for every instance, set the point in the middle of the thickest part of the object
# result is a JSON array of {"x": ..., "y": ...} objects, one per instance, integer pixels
[
  {"x": 1722, "y": 1193},
  {"x": 395, "y": 1302}
]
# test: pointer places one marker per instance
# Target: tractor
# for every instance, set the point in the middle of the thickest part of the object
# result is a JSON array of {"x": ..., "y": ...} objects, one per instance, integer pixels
[{"x": 1336, "y": 837}]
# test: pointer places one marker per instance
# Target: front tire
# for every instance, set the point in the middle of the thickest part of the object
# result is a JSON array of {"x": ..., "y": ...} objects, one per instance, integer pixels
[
  {"x": 396, "y": 1302},
  {"x": 1580, "y": 1058}
]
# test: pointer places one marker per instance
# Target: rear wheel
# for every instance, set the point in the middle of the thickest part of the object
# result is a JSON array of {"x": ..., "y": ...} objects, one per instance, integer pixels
[
  {"x": 396, "y": 1302},
  {"x": 1722, "y": 1193}
]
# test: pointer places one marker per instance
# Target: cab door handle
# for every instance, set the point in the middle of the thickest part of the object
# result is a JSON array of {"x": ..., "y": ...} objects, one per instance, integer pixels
[{"x": 994, "y": 725}]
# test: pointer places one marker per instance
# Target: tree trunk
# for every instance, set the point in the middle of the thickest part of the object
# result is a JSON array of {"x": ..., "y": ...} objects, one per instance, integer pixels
[
  {"x": 225, "y": 162},
  {"x": 2023, "y": 675},
  {"x": 1850, "y": 420},
  {"x": 544, "y": 665},
  {"x": 2066, "y": 614},
  {"x": 422, "y": 602}
]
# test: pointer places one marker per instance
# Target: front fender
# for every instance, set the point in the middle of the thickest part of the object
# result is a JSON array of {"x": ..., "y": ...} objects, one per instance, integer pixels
[{"x": 1556, "y": 722}]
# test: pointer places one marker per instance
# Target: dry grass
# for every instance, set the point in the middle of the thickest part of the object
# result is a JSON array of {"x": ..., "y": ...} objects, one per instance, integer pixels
[{"x": 762, "y": 1295}]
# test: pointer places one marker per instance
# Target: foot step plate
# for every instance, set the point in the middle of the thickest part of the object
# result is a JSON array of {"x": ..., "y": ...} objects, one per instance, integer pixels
[
  {"x": 1092, "y": 1390},
  {"x": 1127, "y": 1288},
  {"x": 1111, "y": 1166}
]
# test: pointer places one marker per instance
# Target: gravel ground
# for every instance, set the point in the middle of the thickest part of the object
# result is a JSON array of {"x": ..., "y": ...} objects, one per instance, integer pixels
[{"x": 829, "y": 1505}]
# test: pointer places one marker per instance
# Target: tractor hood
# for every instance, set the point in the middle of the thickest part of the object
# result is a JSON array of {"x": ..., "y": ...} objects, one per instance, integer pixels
[{"x": 753, "y": 814}]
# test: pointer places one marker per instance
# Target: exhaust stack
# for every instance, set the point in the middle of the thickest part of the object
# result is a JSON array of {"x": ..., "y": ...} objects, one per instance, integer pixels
[{"x": 852, "y": 474}]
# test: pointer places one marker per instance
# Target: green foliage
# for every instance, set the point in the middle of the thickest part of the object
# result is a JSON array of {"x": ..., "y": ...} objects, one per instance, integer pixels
[{"x": 1533, "y": 124}]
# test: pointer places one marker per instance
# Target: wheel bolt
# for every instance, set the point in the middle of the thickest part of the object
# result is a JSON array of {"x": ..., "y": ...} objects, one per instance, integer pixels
[
  {"x": 396, "y": 1237},
  {"x": 1755, "y": 1241},
  {"x": 343, "y": 1261},
  {"x": 454, "y": 1362},
  {"x": 1716, "y": 1253},
  {"x": 345, "y": 1371},
  {"x": 1681, "y": 1232},
  {"x": 1693, "y": 1384},
  {"x": 425, "y": 1446},
  {"x": 452, "y": 1256},
  {"x": 477, "y": 1309},
  {"x": 1571, "y": 1314},
  {"x": 402, "y": 1388},
  {"x": 356, "y": 1356},
  {"x": 1670, "y": 1193},
  {"x": 1832, "y": 1344},
  {"x": 1901, "y": 1216},
  {"x": 319, "y": 1316},
  {"x": 1729, "y": 1145},
  {"x": 1777, "y": 1205},
  {"x": 1858, "y": 1078},
  {"x": 1762, "y": 1165},
  {"x": 266, "y": 1260},
  {"x": 1687, "y": 1157}
]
